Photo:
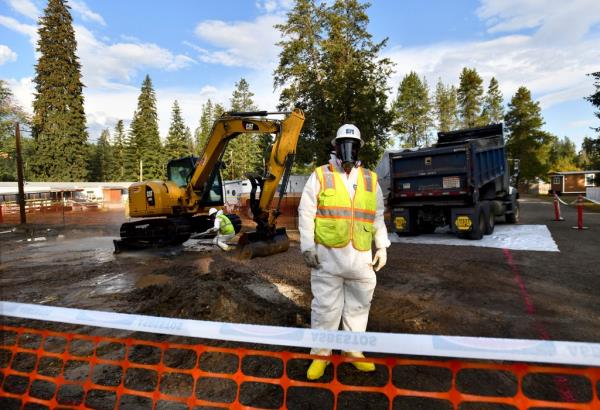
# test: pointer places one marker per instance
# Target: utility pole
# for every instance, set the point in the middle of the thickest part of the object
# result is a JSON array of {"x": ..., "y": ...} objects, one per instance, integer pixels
[
  {"x": 141, "y": 170},
  {"x": 20, "y": 175}
]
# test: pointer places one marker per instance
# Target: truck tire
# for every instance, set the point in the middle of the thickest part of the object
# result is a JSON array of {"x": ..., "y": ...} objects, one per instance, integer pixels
[
  {"x": 479, "y": 228},
  {"x": 413, "y": 229},
  {"x": 513, "y": 218},
  {"x": 490, "y": 221}
]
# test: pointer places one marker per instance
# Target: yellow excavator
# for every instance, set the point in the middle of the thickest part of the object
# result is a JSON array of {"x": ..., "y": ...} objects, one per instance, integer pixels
[{"x": 171, "y": 211}]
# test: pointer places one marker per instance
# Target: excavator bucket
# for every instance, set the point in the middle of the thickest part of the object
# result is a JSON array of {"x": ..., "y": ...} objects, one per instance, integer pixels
[{"x": 252, "y": 244}]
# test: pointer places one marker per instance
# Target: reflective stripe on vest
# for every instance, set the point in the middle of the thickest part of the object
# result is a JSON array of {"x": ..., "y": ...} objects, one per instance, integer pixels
[
  {"x": 341, "y": 219},
  {"x": 226, "y": 227}
]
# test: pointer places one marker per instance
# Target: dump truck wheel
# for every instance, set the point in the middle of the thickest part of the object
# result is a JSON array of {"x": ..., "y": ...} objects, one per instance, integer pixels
[{"x": 478, "y": 228}]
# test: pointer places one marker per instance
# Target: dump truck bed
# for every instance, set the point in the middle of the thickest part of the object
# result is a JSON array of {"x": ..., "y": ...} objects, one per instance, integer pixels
[{"x": 450, "y": 172}]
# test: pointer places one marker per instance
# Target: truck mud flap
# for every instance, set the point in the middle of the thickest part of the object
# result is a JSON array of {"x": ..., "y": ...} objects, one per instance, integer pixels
[
  {"x": 404, "y": 221},
  {"x": 468, "y": 222}
]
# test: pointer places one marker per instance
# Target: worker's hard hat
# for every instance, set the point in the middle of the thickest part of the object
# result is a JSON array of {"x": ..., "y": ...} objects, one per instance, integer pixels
[
  {"x": 348, "y": 131},
  {"x": 212, "y": 211}
]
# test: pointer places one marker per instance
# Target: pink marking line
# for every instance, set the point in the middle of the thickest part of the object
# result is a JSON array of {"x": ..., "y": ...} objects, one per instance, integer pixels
[{"x": 560, "y": 381}]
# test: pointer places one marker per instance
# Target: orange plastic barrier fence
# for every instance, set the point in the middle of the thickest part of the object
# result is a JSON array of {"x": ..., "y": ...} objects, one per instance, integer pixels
[{"x": 45, "y": 369}]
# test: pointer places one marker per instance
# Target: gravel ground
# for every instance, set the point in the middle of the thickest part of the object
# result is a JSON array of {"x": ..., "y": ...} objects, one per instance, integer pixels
[{"x": 430, "y": 289}]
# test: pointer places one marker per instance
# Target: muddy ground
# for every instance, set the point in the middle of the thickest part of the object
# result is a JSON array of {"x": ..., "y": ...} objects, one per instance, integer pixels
[{"x": 434, "y": 289}]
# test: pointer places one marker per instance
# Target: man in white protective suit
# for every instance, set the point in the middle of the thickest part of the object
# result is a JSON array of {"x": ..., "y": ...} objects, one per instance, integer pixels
[{"x": 340, "y": 215}]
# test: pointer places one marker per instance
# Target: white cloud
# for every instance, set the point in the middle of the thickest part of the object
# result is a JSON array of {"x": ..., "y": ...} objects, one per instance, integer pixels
[
  {"x": 555, "y": 20},
  {"x": 7, "y": 55},
  {"x": 29, "y": 30},
  {"x": 274, "y": 6},
  {"x": 85, "y": 12},
  {"x": 23, "y": 90},
  {"x": 25, "y": 7},
  {"x": 108, "y": 65},
  {"x": 554, "y": 74},
  {"x": 249, "y": 44}
]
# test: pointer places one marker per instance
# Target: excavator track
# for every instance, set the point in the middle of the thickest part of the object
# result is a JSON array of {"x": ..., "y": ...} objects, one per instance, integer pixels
[
  {"x": 161, "y": 232},
  {"x": 153, "y": 233}
]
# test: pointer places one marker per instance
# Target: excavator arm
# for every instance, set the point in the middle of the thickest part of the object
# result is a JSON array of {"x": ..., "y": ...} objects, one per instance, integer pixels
[{"x": 267, "y": 239}]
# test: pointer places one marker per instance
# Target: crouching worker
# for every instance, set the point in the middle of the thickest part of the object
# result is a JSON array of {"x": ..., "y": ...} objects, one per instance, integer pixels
[
  {"x": 224, "y": 228},
  {"x": 341, "y": 214}
]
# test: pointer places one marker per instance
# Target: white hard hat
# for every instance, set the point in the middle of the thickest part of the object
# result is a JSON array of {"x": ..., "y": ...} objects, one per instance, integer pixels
[
  {"x": 212, "y": 211},
  {"x": 348, "y": 131}
]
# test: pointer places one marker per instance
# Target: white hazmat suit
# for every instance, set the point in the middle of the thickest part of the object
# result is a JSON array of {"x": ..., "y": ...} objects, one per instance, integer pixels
[
  {"x": 343, "y": 284},
  {"x": 221, "y": 239}
]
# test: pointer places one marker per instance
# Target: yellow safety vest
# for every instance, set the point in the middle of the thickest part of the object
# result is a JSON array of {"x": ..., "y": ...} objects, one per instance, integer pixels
[
  {"x": 341, "y": 219},
  {"x": 226, "y": 227}
]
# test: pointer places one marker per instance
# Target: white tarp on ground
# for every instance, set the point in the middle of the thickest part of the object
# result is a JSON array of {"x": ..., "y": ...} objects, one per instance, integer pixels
[{"x": 517, "y": 237}]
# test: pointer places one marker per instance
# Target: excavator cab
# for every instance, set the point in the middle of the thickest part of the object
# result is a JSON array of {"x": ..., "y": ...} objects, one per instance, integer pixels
[{"x": 180, "y": 170}]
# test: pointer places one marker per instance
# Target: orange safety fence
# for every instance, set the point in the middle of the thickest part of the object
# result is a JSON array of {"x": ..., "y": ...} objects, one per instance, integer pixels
[{"x": 46, "y": 369}]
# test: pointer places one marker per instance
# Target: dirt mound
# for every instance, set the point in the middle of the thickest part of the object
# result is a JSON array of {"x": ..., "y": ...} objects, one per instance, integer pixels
[{"x": 215, "y": 288}]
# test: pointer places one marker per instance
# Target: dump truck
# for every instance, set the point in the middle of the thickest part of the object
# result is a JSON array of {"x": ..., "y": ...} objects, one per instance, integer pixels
[{"x": 463, "y": 182}]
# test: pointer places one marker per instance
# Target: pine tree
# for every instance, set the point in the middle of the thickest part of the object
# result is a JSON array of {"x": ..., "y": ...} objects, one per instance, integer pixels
[
  {"x": 470, "y": 95},
  {"x": 118, "y": 171},
  {"x": 330, "y": 65},
  {"x": 412, "y": 110},
  {"x": 591, "y": 146},
  {"x": 102, "y": 163},
  {"x": 145, "y": 136},
  {"x": 202, "y": 133},
  {"x": 178, "y": 141},
  {"x": 131, "y": 160},
  {"x": 563, "y": 155},
  {"x": 493, "y": 112},
  {"x": 242, "y": 154},
  {"x": 595, "y": 99},
  {"x": 526, "y": 141},
  {"x": 10, "y": 114},
  {"x": 446, "y": 104},
  {"x": 59, "y": 123}
]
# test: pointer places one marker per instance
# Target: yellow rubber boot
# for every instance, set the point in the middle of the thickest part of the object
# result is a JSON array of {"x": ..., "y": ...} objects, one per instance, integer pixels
[
  {"x": 362, "y": 366},
  {"x": 316, "y": 369}
]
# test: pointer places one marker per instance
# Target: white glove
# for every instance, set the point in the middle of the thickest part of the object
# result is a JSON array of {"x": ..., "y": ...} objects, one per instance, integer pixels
[
  {"x": 310, "y": 258},
  {"x": 380, "y": 259}
]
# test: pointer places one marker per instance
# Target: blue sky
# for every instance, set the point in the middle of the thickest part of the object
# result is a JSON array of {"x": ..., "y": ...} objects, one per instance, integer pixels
[{"x": 195, "y": 50}]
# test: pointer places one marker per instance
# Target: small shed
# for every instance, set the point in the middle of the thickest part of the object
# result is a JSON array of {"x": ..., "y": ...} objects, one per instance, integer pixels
[{"x": 573, "y": 182}]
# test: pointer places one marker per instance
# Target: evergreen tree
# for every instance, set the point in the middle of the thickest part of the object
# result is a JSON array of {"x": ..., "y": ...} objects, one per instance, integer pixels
[
  {"x": 102, "y": 161},
  {"x": 131, "y": 161},
  {"x": 445, "y": 106},
  {"x": 59, "y": 124},
  {"x": 526, "y": 141},
  {"x": 563, "y": 155},
  {"x": 330, "y": 65},
  {"x": 493, "y": 112},
  {"x": 118, "y": 171},
  {"x": 145, "y": 138},
  {"x": 202, "y": 133},
  {"x": 412, "y": 110},
  {"x": 595, "y": 98},
  {"x": 10, "y": 114},
  {"x": 242, "y": 154},
  {"x": 178, "y": 141},
  {"x": 470, "y": 95},
  {"x": 589, "y": 158},
  {"x": 591, "y": 147}
]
